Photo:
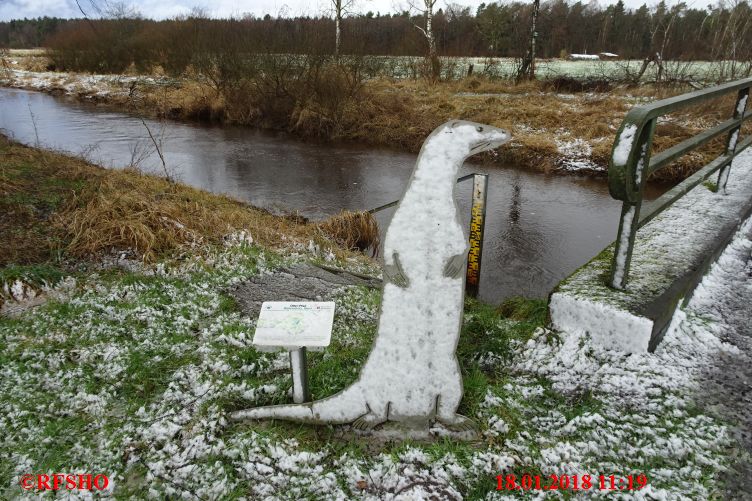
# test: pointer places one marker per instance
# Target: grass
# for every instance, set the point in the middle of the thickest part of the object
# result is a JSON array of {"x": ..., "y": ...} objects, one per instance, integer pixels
[
  {"x": 136, "y": 342},
  {"x": 54, "y": 206},
  {"x": 147, "y": 365},
  {"x": 353, "y": 230},
  {"x": 36, "y": 274}
]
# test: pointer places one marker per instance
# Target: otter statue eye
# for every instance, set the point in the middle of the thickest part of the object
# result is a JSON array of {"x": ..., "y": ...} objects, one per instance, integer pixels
[{"x": 479, "y": 129}]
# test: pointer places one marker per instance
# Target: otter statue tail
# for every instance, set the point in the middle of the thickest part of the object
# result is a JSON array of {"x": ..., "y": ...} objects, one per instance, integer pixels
[{"x": 344, "y": 407}]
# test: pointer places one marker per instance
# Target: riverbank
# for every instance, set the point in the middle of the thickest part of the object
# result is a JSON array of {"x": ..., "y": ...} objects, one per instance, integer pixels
[
  {"x": 55, "y": 207},
  {"x": 554, "y": 130}
]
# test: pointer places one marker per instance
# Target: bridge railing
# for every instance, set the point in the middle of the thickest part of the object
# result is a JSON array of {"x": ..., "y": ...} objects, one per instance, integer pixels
[
  {"x": 477, "y": 225},
  {"x": 631, "y": 162}
]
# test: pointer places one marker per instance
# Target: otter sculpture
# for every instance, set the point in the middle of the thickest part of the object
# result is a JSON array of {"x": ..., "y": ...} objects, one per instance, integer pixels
[{"x": 412, "y": 374}]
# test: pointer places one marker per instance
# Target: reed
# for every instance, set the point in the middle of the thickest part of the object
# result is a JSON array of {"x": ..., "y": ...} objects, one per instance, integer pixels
[{"x": 353, "y": 230}]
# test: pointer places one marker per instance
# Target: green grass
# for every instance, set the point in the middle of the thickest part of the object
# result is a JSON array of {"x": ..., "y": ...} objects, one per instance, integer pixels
[
  {"x": 35, "y": 275},
  {"x": 134, "y": 352},
  {"x": 711, "y": 185}
]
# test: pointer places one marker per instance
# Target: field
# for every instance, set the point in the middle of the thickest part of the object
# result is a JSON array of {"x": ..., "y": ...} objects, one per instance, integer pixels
[{"x": 454, "y": 68}]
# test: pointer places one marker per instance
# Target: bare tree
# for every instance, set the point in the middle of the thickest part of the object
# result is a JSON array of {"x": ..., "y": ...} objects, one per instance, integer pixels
[
  {"x": 426, "y": 8},
  {"x": 527, "y": 68},
  {"x": 109, "y": 10},
  {"x": 662, "y": 24},
  {"x": 341, "y": 8},
  {"x": 729, "y": 36}
]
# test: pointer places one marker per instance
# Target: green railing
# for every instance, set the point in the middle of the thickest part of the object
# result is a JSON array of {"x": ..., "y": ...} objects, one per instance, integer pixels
[{"x": 631, "y": 163}]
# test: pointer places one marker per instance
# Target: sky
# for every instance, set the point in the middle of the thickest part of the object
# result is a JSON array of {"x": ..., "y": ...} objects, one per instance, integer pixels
[{"x": 161, "y": 9}]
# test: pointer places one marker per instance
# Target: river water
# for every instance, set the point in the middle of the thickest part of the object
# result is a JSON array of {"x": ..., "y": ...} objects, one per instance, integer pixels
[{"x": 539, "y": 228}]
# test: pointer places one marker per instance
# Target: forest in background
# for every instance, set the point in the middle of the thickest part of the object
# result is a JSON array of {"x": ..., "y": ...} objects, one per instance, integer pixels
[{"x": 125, "y": 37}]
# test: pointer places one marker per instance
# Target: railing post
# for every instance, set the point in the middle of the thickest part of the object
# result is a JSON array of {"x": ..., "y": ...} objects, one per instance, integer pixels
[
  {"x": 477, "y": 225},
  {"x": 732, "y": 139},
  {"x": 629, "y": 221}
]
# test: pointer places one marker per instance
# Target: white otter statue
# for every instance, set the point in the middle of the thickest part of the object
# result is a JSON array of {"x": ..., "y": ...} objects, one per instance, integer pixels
[{"x": 412, "y": 374}]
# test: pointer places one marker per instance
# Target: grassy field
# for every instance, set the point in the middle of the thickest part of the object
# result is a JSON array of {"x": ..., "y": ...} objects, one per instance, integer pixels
[
  {"x": 129, "y": 368},
  {"x": 496, "y": 67}
]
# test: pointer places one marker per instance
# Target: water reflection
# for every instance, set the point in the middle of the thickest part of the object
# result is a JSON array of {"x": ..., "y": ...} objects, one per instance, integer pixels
[{"x": 538, "y": 229}]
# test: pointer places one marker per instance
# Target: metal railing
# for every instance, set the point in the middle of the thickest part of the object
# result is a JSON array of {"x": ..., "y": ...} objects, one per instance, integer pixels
[
  {"x": 477, "y": 226},
  {"x": 631, "y": 163}
]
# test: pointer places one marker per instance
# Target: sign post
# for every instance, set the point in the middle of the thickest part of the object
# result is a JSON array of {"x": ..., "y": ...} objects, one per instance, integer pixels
[
  {"x": 294, "y": 326},
  {"x": 299, "y": 369},
  {"x": 477, "y": 224}
]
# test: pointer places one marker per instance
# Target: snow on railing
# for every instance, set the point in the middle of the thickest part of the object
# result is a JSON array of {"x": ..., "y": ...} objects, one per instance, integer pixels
[{"x": 631, "y": 163}]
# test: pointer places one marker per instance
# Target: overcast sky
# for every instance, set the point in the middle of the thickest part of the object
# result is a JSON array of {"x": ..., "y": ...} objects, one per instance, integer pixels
[{"x": 160, "y": 9}]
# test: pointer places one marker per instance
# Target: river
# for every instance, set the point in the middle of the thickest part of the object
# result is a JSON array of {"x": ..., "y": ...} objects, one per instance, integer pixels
[{"x": 539, "y": 227}]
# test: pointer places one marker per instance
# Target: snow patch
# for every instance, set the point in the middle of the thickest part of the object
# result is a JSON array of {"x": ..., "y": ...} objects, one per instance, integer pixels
[
  {"x": 605, "y": 324},
  {"x": 624, "y": 144},
  {"x": 742, "y": 104}
]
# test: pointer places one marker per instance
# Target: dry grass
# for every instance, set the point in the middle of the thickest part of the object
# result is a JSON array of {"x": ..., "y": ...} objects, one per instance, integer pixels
[
  {"x": 27, "y": 59},
  {"x": 401, "y": 114},
  {"x": 53, "y": 203},
  {"x": 536, "y": 117},
  {"x": 353, "y": 230}
]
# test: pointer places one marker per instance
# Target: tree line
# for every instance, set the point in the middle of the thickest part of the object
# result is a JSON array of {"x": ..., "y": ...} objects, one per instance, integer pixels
[{"x": 677, "y": 32}]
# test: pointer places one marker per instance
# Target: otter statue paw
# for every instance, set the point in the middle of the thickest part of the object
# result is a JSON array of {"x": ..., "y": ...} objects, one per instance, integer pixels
[
  {"x": 394, "y": 273},
  {"x": 367, "y": 422},
  {"x": 455, "y": 266},
  {"x": 459, "y": 423}
]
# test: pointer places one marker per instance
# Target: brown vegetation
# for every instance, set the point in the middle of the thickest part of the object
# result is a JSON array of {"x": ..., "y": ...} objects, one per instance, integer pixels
[
  {"x": 54, "y": 205},
  {"x": 719, "y": 32},
  {"x": 353, "y": 230},
  {"x": 401, "y": 114},
  {"x": 325, "y": 99}
]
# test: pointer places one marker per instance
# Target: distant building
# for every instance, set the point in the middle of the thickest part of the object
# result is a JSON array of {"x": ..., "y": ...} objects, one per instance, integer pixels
[
  {"x": 583, "y": 57},
  {"x": 592, "y": 57}
]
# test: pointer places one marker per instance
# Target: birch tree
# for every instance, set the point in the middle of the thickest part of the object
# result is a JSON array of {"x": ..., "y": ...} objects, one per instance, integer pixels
[
  {"x": 341, "y": 8},
  {"x": 527, "y": 68},
  {"x": 426, "y": 8}
]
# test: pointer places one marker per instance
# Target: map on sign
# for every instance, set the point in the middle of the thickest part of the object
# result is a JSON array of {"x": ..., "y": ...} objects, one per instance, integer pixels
[{"x": 294, "y": 324}]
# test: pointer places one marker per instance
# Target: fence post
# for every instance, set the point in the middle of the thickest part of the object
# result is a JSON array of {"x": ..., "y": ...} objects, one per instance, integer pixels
[
  {"x": 477, "y": 225},
  {"x": 733, "y": 136},
  {"x": 629, "y": 221}
]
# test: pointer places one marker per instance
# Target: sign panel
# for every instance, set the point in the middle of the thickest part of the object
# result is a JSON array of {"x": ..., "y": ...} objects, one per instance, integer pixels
[{"x": 294, "y": 324}]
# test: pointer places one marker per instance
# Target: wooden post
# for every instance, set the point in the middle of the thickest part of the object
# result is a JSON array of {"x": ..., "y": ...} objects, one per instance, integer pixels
[{"x": 477, "y": 224}]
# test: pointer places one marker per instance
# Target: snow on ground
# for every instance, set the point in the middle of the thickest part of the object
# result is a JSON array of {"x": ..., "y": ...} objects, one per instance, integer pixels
[
  {"x": 135, "y": 374},
  {"x": 92, "y": 86},
  {"x": 575, "y": 153}
]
